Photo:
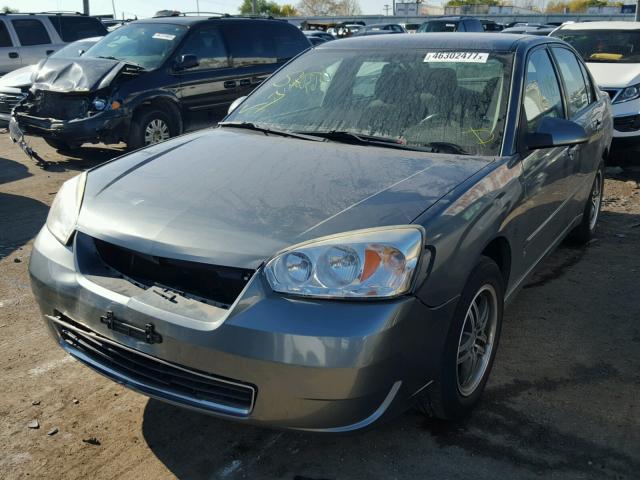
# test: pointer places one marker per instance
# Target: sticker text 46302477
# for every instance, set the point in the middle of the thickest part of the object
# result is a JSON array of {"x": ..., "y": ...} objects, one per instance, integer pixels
[{"x": 464, "y": 57}]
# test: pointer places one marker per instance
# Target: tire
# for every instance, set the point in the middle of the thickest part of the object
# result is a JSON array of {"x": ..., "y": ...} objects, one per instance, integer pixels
[
  {"x": 585, "y": 230},
  {"x": 58, "y": 144},
  {"x": 456, "y": 391},
  {"x": 151, "y": 126}
]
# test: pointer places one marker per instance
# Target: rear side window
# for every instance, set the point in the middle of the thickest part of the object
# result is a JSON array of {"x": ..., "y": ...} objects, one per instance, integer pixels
[
  {"x": 259, "y": 43},
  {"x": 31, "y": 32},
  {"x": 5, "y": 39},
  {"x": 71, "y": 29},
  {"x": 207, "y": 44},
  {"x": 542, "y": 96},
  {"x": 576, "y": 88}
]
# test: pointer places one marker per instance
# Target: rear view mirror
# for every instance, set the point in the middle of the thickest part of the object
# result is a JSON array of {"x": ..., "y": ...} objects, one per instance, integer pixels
[
  {"x": 235, "y": 104},
  {"x": 186, "y": 61},
  {"x": 556, "y": 132}
]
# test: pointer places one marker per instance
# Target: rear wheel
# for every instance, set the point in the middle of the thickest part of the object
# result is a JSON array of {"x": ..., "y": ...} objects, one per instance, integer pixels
[
  {"x": 151, "y": 126},
  {"x": 470, "y": 346},
  {"x": 585, "y": 230}
]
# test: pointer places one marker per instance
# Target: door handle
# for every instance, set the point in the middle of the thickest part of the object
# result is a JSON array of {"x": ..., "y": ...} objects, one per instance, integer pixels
[
  {"x": 49, "y": 52},
  {"x": 13, "y": 55},
  {"x": 230, "y": 84},
  {"x": 245, "y": 82}
]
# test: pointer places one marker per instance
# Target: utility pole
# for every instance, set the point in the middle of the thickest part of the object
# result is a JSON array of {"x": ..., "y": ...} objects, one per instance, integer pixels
[
  {"x": 198, "y": 6},
  {"x": 85, "y": 7},
  {"x": 386, "y": 10}
]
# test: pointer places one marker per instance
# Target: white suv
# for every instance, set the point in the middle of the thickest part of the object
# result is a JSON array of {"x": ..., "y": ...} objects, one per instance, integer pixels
[
  {"x": 27, "y": 38},
  {"x": 612, "y": 53}
]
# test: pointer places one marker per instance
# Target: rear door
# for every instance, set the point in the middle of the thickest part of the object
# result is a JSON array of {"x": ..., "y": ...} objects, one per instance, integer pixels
[
  {"x": 76, "y": 27},
  {"x": 258, "y": 48},
  {"x": 10, "y": 58},
  {"x": 34, "y": 38},
  {"x": 206, "y": 90}
]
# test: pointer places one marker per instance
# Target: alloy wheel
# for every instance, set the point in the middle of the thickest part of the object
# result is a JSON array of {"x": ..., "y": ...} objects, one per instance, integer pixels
[
  {"x": 596, "y": 200},
  {"x": 157, "y": 131},
  {"x": 476, "y": 341}
]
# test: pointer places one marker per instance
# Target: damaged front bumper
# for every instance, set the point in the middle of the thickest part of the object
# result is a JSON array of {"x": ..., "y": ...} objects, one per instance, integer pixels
[{"x": 109, "y": 126}]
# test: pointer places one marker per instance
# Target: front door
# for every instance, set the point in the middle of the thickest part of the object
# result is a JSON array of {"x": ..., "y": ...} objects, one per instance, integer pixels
[{"x": 206, "y": 90}]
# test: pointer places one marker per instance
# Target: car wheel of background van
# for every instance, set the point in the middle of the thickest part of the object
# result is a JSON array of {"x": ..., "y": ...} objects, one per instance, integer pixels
[
  {"x": 470, "y": 346},
  {"x": 584, "y": 231},
  {"x": 151, "y": 126},
  {"x": 60, "y": 144}
]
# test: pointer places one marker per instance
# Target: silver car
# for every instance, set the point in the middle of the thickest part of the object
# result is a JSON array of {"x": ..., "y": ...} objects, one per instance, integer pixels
[{"x": 341, "y": 247}]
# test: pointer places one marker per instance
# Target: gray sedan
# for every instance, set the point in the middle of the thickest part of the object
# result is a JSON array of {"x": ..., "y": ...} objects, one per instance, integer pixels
[{"x": 341, "y": 247}]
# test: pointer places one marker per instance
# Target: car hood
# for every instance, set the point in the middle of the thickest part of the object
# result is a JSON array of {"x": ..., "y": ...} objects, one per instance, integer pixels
[
  {"x": 76, "y": 74},
  {"x": 616, "y": 75},
  {"x": 21, "y": 77},
  {"x": 233, "y": 197}
]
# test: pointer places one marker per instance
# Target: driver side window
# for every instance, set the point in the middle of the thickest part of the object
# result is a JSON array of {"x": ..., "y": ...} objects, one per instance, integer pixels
[
  {"x": 208, "y": 45},
  {"x": 541, "y": 96}
]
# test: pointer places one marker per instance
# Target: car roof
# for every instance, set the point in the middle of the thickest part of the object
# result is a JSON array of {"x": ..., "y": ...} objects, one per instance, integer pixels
[
  {"x": 451, "y": 18},
  {"x": 193, "y": 20},
  {"x": 449, "y": 40},
  {"x": 601, "y": 26}
]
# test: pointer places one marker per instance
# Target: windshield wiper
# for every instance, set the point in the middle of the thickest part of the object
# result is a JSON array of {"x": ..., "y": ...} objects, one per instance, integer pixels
[
  {"x": 107, "y": 57},
  {"x": 350, "y": 137},
  {"x": 269, "y": 131}
]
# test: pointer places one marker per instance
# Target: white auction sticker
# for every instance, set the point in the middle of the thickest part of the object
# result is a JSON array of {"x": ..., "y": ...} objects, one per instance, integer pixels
[
  {"x": 163, "y": 36},
  {"x": 464, "y": 57}
]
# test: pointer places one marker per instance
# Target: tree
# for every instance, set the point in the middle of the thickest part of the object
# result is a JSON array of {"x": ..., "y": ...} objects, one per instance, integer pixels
[
  {"x": 329, "y": 7},
  {"x": 6, "y": 9},
  {"x": 574, "y": 6},
  {"x": 266, "y": 7},
  {"x": 460, "y": 3}
]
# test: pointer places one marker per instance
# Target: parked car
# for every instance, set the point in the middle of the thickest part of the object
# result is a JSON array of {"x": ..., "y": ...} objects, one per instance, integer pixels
[
  {"x": 380, "y": 28},
  {"x": 342, "y": 245},
  {"x": 530, "y": 29},
  {"x": 451, "y": 24},
  {"x": 15, "y": 85},
  {"x": 153, "y": 79},
  {"x": 491, "y": 26},
  {"x": 318, "y": 34},
  {"x": 27, "y": 38},
  {"x": 410, "y": 27},
  {"x": 612, "y": 53}
]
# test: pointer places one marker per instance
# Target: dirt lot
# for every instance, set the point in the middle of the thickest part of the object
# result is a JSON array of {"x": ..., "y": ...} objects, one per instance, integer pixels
[{"x": 563, "y": 401}]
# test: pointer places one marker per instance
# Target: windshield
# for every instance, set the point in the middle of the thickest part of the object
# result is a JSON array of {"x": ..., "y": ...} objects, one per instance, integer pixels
[
  {"x": 143, "y": 44},
  {"x": 434, "y": 26},
  {"x": 413, "y": 98},
  {"x": 608, "y": 46},
  {"x": 74, "y": 49}
]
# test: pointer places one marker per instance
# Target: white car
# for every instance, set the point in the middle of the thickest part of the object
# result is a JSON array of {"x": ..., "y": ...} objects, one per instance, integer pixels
[{"x": 611, "y": 51}]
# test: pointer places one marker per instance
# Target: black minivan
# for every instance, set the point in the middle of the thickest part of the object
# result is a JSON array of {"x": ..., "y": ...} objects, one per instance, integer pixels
[{"x": 153, "y": 79}]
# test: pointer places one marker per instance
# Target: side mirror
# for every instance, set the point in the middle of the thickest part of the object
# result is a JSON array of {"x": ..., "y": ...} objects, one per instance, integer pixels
[
  {"x": 235, "y": 104},
  {"x": 556, "y": 132},
  {"x": 186, "y": 61}
]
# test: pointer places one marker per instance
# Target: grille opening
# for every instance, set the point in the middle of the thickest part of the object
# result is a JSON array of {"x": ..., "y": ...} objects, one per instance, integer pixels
[
  {"x": 214, "y": 284},
  {"x": 629, "y": 123},
  {"x": 60, "y": 106},
  {"x": 159, "y": 376}
]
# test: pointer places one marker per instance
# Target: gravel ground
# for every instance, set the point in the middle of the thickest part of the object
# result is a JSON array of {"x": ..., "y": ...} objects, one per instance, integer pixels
[{"x": 563, "y": 401}]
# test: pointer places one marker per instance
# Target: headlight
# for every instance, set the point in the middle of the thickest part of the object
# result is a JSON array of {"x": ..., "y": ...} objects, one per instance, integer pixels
[
  {"x": 629, "y": 93},
  {"x": 99, "y": 104},
  {"x": 374, "y": 263},
  {"x": 63, "y": 215}
]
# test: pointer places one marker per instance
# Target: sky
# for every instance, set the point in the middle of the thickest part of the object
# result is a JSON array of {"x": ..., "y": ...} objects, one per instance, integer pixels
[{"x": 147, "y": 8}]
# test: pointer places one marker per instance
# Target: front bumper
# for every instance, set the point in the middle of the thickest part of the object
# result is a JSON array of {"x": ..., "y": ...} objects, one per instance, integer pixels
[
  {"x": 314, "y": 365},
  {"x": 626, "y": 121},
  {"x": 109, "y": 126}
]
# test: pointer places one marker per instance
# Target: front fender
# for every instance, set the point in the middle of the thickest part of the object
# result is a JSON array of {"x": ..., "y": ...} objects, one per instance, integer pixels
[{"x": 464, "y": 222}]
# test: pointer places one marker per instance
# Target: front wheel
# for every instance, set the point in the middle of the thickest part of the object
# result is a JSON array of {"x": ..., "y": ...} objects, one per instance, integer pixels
[
  {"x": 470, "y": 346},
  {"x": 585, "y": 230},
  {"x": 151, "y": 126}
]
